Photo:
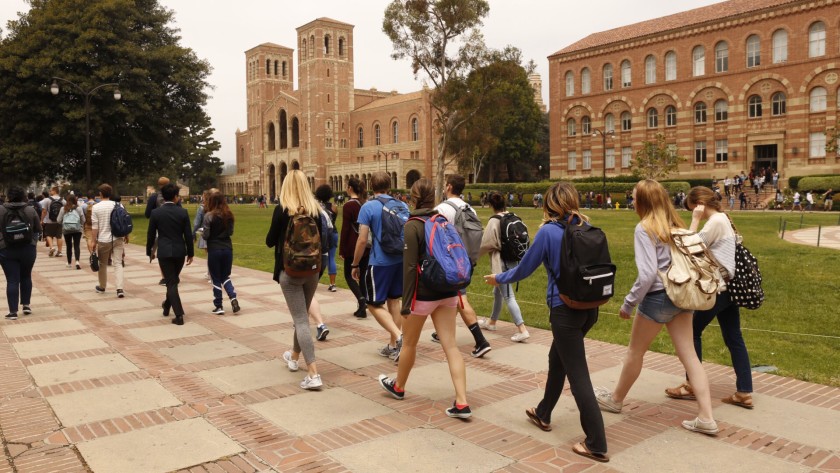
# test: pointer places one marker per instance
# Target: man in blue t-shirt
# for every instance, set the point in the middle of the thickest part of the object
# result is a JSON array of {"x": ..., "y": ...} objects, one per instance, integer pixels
[{"x": 384, "y": 275}]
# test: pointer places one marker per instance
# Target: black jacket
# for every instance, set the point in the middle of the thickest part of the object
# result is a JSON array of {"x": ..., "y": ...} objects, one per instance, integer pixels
[
  {"x": 171, "y": 224},
  {"x": 276, "y": 237}
]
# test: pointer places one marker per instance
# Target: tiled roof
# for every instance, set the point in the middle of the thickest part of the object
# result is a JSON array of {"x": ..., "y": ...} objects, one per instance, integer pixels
[
  {"x": 392, "y": 100},
  {"x": 716, "y": 11}
]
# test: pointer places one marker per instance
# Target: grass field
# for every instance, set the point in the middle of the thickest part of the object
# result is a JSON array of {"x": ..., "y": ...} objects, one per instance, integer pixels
[{"x": 795, "y": 330}]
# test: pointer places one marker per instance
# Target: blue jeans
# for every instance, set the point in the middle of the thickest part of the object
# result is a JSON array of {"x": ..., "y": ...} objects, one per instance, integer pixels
[
  {"x": 17, "y": 266},
  {"x": 504, "y": 292},
  {"x": 219, "y": 263},
  {"x": 332, "y": 270},
  {"x": 729, "y": 318}
]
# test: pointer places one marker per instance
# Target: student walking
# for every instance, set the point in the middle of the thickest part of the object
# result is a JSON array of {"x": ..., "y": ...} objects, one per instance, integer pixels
[
  {"x": 218, "y": 229},
  {"x": 420, "y": 302},
  {"x": 652, "y": 242},
  {"x": 347, "y": 242},
  {"x": 324, "y": 194},
  {"x": 18, "y": 240},
  {"x": 72, "y": 220},
  {"x": 108, "y": 247},
  {"x": 198, "y": 228},
  {"x": 50, "y": 208},
  {"x": 295, "y": 234},
  {"x": 720, "y": 237},
  {"x": 567, "y": 356}
]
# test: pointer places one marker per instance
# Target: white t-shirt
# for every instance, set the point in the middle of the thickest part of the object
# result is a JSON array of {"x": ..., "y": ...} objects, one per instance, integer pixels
[
  {"x": 45, "y": 205},
  {"x": 720, "y": 238},
  {"x": 809, "y": 197},
  {"x": 448, "y": 211},
  {"x": 100, "y": 218},
  {"x": 796, "y": 197}
]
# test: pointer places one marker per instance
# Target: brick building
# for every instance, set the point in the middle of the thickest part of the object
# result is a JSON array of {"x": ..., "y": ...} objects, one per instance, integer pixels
[{"x": 732, "y": 86}]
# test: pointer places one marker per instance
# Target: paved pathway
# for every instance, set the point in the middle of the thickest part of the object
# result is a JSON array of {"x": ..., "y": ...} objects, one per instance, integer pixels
[
  {"x": 89, "y": 382},
  {"x": 829, "y": 237}
]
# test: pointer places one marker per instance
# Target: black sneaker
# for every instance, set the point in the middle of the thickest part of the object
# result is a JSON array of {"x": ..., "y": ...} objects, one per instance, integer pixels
[
  {"x": 100, "y": 290},
  {"x": 162, "y": 282},
  {"x": 388, "y": 384},
  {"x": 11, "y": 316},
  {"x": 361, "y": 312},
  {"x": 235, "y": 304},
  {"x": 218, "y": 310},
  {"x": 26, "y": 310},
  {"x": 462, "y": 413},
  {"x": 120, "y": 293},
  {"x": 323, "y": 331},
  {"x": 435, "y": 337},
  {"x": 481, "y": 350}
]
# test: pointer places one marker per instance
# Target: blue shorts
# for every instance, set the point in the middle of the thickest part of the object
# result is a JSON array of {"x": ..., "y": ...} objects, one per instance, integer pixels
[
  {"x": 658, "y": 308},
  {"x": 383, "y": 283}
]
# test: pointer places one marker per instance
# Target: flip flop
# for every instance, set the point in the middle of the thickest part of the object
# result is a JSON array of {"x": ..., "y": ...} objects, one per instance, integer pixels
[
  {"x": 740, "y": 400},
  {"x": 677, "y": 393},
  {"x": 581, "y": 450},
  {"x": 534, "y": 418}
]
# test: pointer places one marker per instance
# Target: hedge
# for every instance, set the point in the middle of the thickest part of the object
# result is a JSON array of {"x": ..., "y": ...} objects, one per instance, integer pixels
[
  {"x": 617, "y": 189},
  {"x": 818, "y": 184}
]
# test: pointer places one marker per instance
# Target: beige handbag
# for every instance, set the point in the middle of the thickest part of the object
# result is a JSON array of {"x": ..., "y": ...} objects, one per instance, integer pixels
[{"x": 692, "y": 280}]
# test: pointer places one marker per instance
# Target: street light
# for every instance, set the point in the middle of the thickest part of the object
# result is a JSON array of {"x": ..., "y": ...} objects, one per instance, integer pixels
[
  {"x": 117, "y": 96},
  {"x": 604, "y": 136},
  {"x": 392, "y": 154}
]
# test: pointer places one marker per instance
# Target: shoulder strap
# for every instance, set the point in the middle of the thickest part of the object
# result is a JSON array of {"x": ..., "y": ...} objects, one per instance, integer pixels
[{"x": 447, "y": 201}]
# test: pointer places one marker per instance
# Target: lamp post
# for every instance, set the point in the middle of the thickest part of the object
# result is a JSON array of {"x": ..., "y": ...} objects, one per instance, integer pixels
[
  {"x": 88, "y": 94},
  {"x": 604, "y": 135},
  {"x": 386, "y": 155}
]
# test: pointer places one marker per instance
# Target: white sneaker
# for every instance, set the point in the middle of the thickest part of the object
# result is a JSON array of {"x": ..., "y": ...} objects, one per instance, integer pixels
[
  {"x": 521, "y": 336},
  {"x": 484, "y": 323},
  {"x": 313, "y": 383},
  {"x": 292, "y": 364}
]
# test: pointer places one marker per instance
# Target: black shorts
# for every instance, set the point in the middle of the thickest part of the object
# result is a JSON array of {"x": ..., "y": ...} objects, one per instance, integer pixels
[{"x": 53, "y": 230}]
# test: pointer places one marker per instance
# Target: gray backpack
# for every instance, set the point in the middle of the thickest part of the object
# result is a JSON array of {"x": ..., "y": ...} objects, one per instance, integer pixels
[{"x": 469, "y": 228}]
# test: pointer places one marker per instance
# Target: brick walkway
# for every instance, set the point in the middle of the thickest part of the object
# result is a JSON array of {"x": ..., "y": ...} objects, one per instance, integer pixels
[{"x": 94, "y": 383}]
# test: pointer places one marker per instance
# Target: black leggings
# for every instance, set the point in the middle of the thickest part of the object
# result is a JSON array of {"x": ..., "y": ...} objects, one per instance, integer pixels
[
  {"x": 357, "y": 287},
  {"x": 73, "y": 241}
]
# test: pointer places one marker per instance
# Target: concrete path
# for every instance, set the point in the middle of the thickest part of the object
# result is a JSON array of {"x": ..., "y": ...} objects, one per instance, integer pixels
[
  {"x": 825, "y": 237},
  {"x": 90, "y": 382}
]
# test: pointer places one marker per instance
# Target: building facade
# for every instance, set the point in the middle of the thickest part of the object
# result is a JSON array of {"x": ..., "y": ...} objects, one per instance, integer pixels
[{"x": 738, "y": 85}]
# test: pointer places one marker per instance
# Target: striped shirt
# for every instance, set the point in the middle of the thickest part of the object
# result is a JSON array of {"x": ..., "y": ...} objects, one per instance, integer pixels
[
  {"x": 720, "y": 238},
  {"x": 100, "y": 218}
]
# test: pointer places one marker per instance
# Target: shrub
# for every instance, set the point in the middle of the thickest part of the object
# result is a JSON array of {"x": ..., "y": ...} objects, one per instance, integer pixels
[
  {"x": 617, "y": 189},
  {"x": 818, "y": 184}
]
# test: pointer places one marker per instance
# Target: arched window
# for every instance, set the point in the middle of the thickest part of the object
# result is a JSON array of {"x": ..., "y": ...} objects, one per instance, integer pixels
[
  {"x": 586, "y": 125},
  {"x": 754, "y": 106},
  {"x": 670, "y": 115},
  {"x": 268, "y": 67},
  {"x": 570, "y": 83},
  {"x": 327, "y": 45},
  {"x": 283, "y": 69},
  {"x": 780, "y": 46},
  {"x": 395, "y": 132},
  {"x": 779, "y": 103},
  {"x": 626, "y": 74},
  {"x": 608, "y": 77},
  {"x": 341, "y": 47},
  {"x": 753, "y": 51},
  {"x": 302, "y": 49},
  {"x": 415, "y": 129},
  {"x": 652, "y": 118},
  {"x": 276, "y": 68},
  {"x": 816, "y": 40},
  {"x": 650, "y": 69},
  {"x": 361, "y": 141},
  {"x": 699, "y": 113},
  {"x": 671, "y": 65},
  {"x": 609, "y": 122},
  {"x": 271, "y": 137},
  {"x": 626, "y": 121},
  {"x": 698, "y": 61},
  {"x": 818, "y": 99},
  {"x": 295, "y": 133},
  {"x": 721, "y": 111},
  {"x": 571, "y": 127},
  {"x": 722, "y": 57},
  {"x": 284, "y": 130},
  {"x": 312, "y": 42},
  {"x": 377, "y": 135},
  {"x": 585, "y": 81}
]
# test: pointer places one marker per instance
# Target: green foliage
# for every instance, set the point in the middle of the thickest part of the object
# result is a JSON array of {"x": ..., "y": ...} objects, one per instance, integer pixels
[
  {"x": 655, "y": 160},
  {"x": 818, "y": 184}
]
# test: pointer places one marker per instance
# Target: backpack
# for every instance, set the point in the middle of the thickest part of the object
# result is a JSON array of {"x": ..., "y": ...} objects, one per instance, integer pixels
[
  {"x": 72, "y": 223},
  {"x": 121, "y": 225},
  {"x": 514, "y": 237},
  {"x": 445, "y": 266},
  {"x": 587, "y": 274},
  {"x": 302, "y": 246},
  {"x": 17, "y": 231},
  {"x": 692, "y": 279},
  {"x": 55, "y": 209},
  {"x": 469, "y": 228},
  {"x": 745, "y": 286},
  {"x": 327, "y": 230},
  {"x": 392, "y": 234}
]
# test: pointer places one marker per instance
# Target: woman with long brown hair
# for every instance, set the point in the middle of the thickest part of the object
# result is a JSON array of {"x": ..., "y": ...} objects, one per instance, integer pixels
[
  {"x": 72, "y": 221},
  {"x": 218, "y": 228}
]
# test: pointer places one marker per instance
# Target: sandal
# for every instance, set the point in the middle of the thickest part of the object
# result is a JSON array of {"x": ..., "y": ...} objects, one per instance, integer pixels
[
  {"x": 533, "y": 417},
  {"x": 740, "y": 399},
  {"x": 581, "y": 450},
  {"x": 683, "y": 391}
]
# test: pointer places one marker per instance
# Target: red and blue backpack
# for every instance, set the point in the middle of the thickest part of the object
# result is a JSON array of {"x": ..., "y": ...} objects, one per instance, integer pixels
[{"x": 445, "y": 266}]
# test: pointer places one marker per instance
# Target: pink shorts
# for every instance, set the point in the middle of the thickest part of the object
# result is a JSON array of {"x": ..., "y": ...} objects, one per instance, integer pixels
[{"x": 427, "y": 307}]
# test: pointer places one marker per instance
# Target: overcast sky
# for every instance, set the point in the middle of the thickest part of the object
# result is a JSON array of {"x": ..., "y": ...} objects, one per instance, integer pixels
[{"x": 221, "y": 31}]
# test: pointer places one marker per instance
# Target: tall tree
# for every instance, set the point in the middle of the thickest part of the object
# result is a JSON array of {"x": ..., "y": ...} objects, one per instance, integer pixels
[
  {"x": 92, "y": 42},
  {"x": 200, "y": 167},
  {"x": 656, "y": 159}
]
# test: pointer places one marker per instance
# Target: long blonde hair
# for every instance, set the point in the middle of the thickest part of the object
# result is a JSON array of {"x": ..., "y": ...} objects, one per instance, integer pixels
[
  {"x": 296, "y": 193},
  {"x": 561, "y": 200},
  {"x": 655, "y": 210}
]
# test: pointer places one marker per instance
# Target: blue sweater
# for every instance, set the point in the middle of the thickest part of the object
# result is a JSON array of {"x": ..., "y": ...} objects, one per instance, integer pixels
[{"x": 546, "y": 250}]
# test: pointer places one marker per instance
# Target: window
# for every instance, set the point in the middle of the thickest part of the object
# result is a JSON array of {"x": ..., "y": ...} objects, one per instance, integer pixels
[
  {"x": 609, "y": 123},
  {"x": 302, "y": 49},
  {"x": 652, "y": 118},
  {"x": 585, "y": 81},
  {"x": 610, "y": 158},
  {"x": 754, "y": 106},
  {"x": 415, "y": 129},
  {"x": 587, "y": 160},
  {"x": 626, "y": 78},
  {"x": 721, "y": 151},
  {"x": 341, "y": 47},
  {"x": 700, "y": 113},
  {"x": 672, "y": 149},
  {"x": 586, "y": 125},
  {"x": 395, "y": 132},
  {"x": 312, "y": 42},
  {"x": 753, "y": 51},
  {"x": 817, "y": 145},
  {"x": 779, "y": 102},
  {"x": 361, "y": 142},
  {"x": 780, "y": 43},
  {"x": 570, "y": 84},
  {"x": 326, "y": 45},
  {"x": 818, "y": 99},
  {"x": 276, "y": 67},
  {"x": 626, "y": 156},
  {"x": 721, "y": 57},
  {"x": 377, "y": 135},
  {"x": 571, "y": 127},
  {"x": 816, "y": 39},
  {"x": 671, "y": 66},
  {"x": 572, "y": 161},
  {"x": 268, "y": 67},
  {"x": 626, "y": 121},
  {"x": 721, "y": 111},
  {"x": 698, "y": 57},
  {"x": 284, "y": 69},
  {"x": 608, "y": 77},
  {"x": 699, "y": 152},
  {"x": 670, "y": 115},
  {"x": 650, "y": 70}
]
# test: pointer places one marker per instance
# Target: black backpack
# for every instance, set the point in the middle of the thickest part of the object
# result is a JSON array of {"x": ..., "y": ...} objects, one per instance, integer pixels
[
  {"x": 587, "y": 274},
  {"x": 121, "y": 224},
  {"x": 55, "y": 209},
  {"x": 17, "y": 231},
  {"x": 514, "y": 237}
]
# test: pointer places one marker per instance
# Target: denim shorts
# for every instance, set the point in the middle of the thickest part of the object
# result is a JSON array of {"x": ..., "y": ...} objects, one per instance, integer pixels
[{"x": 657, "y": 307}]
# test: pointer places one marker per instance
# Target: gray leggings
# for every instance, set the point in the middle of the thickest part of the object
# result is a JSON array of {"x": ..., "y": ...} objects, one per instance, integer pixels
[
  {"x": 299, "y": 293},
  {"x": 503, "y": 293}
]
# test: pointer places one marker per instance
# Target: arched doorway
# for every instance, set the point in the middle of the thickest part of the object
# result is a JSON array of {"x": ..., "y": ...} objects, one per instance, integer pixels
[
  {"x": 272, "y": 182},
  {"x": 410, "y": 178}
]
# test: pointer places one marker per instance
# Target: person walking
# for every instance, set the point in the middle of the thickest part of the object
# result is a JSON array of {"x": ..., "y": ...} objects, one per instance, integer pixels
[
  {"x": 652, "y": 244},
  {"x": 720, "y": 237},
  {"x": 324, "y": 194},
  {"x": 92, "y": 199},
  {"x": 420, "y": 302},
  {"x": 170, "y": 240},
  {"x": 296, "y": 200},
  {"x": 217, "y": 226},
  {"x": 198, "y": 228},
  {"x": 829, "y": 199},
  {"x": 72, "y": 220},
  {"x": 155, "y": 201},
  {"x": 491, "y": 243},
  {"x": 347, "y": 242},
  {"x": 50, "y": 208},
  {"x": 108, "y": 247},
  {"x": 18, "y": 241}
]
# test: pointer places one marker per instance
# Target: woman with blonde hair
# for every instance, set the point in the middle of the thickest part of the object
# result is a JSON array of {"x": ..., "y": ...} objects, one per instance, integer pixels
[
  {"x": 296, "y": 198},
  {"x": 652, "y": 245},
  {"x": 567, "y": 356}
]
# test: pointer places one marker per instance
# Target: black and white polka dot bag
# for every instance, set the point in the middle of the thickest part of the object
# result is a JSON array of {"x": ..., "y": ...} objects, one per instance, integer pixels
[{"x": 745, "y": 286}]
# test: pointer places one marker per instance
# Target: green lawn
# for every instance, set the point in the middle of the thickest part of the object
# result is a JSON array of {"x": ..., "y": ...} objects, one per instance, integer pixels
[{"x": 795, "y": 330}]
